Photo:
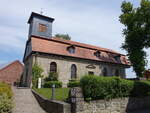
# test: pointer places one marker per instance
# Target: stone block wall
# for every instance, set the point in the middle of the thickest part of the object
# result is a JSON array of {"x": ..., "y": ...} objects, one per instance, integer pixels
[
  {"x": 120, "y": 105},
  {"x": 64, "y": 67}
]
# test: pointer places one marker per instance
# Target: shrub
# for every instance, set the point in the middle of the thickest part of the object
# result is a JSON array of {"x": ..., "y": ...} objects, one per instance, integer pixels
[
  {"x": 49, "y": 84},
  {"x": 126, "y": 86},
  {"x": 141, "y": 88},
  {"x": 36, "y": 73},
  {"x": 96, "y": 87},
  {"x": 73, "y": 83},
  {"x": 5, "y": 88},
  {"x": 6, "y": 94},
  {"x": 6, "y": 104},
  {"x": 52, "y": 77}
]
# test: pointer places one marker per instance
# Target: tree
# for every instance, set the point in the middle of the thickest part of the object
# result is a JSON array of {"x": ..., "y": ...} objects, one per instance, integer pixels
[
  {"x": 36, "y": 73},
  {"x": 137, "y": 33},
  {"x": 63, "y": 36}
]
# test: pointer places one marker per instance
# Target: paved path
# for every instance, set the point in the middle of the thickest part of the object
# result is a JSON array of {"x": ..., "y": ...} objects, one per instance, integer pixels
[{"x": 25, "y": 102}]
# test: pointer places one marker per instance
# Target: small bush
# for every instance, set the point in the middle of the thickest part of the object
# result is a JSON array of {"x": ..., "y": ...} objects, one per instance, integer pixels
[
  {"x": 6, "y": 94},
  {"x": 6, "y": 104},
  {"x": 5, "y": 88},
  {"x": 73, "y": 84},
  {"x": 96, "y": 87},
  {"x": 49, "y": 84},
  {"x": 52, "y": 77},
  {"x": 141, "y": 88},
  {"x": 36, "y": 73}
]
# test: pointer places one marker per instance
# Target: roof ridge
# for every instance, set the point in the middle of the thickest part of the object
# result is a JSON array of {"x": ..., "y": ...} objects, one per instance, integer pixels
[{"x": 11, "y": 63}]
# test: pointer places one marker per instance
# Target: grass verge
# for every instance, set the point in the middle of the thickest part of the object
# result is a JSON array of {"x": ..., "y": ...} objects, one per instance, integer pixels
[{"x": 60, "y": 93}]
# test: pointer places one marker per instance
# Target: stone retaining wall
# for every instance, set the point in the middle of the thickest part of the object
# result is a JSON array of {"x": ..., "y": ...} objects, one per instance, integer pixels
[
  {"x": 52, "y": 106},
  {"x": 121, "y": 105}
]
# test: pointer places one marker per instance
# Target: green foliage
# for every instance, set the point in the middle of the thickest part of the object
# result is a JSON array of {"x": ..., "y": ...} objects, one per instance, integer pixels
[
  {"x": 36, "y": 73},
  {"x": 6, "y": 94},
  {"x": 6, "y": 104},
  {"x": 49, "y": 84},
  {"x": 52, "y": 77},
  {"x": 5, "y": 88},
  {"x": 98, "y": 87},
  {"x": 73, "y": 83},
  {"x": 137, "y": 33},
  {"x": 141, "y": 89},
  {"x": 63, "y": 36},
  {"x": 60, "y": 93}
]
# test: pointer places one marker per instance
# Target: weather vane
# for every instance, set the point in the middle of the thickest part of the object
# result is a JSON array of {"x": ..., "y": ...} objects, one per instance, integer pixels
[{"x": 41, "y": 11}]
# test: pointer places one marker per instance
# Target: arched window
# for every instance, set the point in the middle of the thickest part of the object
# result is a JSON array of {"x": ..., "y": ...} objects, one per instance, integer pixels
[
  {"x": 53, "y": 67},
  {"x": 116, "y": 72},
  {"x": 105, "y": 72},
  {"x": 73, "y": 71}
]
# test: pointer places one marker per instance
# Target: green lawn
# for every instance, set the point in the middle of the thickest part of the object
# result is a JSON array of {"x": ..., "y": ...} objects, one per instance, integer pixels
[{"x": 60, "y": 93}]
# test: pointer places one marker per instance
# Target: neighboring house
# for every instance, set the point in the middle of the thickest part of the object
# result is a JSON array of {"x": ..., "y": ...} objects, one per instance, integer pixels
[
  {"x": 70, "y": 59},
  {"x": 147, "y": 74},
  {"x": 11, "y": 73}
]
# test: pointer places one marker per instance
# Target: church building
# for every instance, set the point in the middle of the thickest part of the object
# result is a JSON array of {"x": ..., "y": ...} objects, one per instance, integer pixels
[{"x": 69, "y": 59}]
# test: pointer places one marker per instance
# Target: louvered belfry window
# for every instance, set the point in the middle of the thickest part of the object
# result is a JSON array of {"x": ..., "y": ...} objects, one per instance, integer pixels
[
  {"x": 73, "y": 71},
  {"x": 53, "y": 67},
  {"x": 42, "y": 28}
]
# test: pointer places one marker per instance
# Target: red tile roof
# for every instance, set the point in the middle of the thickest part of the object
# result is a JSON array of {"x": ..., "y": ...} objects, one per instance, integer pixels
[
  {"x": 59, "y": 47},
  {"x": 147, "y": 73},
  {"x": 11, "y": 73}
]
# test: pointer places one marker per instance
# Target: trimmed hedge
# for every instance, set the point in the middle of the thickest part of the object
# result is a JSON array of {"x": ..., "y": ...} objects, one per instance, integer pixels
[
  {"x": 73, "y": 83},
  {"x": 141, "y": 88},
  {"x": 49, "y": 84},
  {"x": 98, "y": 87},
  {"x": 6, "y": 94}
]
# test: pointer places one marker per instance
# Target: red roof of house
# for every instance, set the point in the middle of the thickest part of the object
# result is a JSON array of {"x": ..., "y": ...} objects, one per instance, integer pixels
[
  {"x": 59, "y": 47},
  {"x": 11, "y": 73},
  {"x": 148, "y": 70}
]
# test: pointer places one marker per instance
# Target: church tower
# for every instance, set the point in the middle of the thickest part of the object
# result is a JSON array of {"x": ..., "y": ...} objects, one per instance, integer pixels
[{"x": 40, "y": 25}]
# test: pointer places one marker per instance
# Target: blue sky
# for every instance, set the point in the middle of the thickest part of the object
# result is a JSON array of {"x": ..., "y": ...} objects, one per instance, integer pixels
[{"x": 88, "y": 21}]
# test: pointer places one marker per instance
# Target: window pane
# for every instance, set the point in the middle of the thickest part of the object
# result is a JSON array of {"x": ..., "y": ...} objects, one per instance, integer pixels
[
  {"x": 104, "y": 72},
  {"x": 53, "y": 67},
  {"x": 73, "y": 71},
  {"x": 71, "y": 50}
]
